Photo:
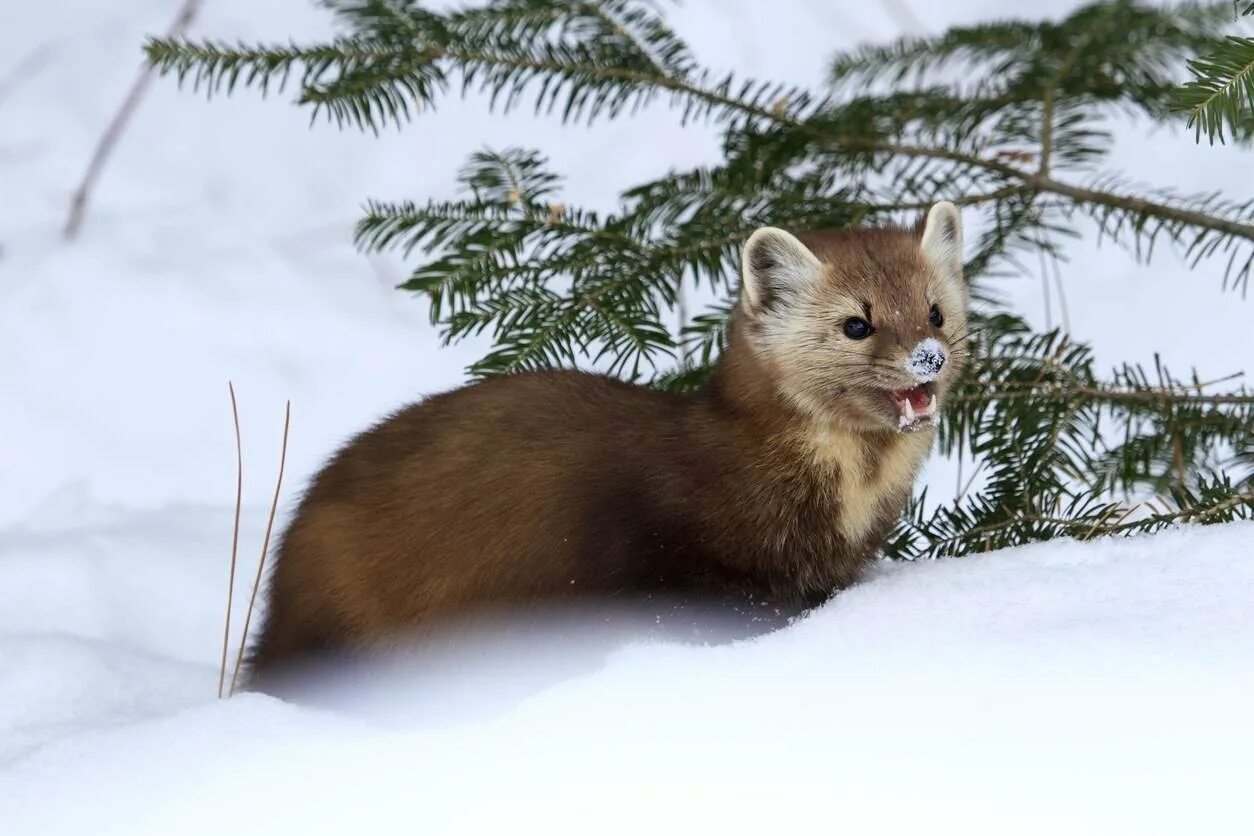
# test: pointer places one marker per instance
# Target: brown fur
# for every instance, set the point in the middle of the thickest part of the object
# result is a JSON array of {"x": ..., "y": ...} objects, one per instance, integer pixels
[{"x": 767, "y": 485}]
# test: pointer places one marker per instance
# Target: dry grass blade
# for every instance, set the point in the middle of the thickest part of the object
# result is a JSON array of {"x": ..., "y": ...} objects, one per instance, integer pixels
[
  {"x": 265, "y": 547},
  {"x": 239, "y": 497}
]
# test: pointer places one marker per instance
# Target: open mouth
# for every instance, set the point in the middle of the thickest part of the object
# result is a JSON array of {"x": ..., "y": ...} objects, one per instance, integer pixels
[{"x": 916, "y": 406}]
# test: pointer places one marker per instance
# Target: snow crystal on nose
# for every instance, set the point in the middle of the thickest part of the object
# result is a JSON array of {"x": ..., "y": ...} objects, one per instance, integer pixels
[{"x": 925, "y": 362}]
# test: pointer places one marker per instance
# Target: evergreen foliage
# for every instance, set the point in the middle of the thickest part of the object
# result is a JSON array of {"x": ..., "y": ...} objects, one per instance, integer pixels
[
  {"x": 1222, "y": 90},
  {"x": 1009, "y": 119}
]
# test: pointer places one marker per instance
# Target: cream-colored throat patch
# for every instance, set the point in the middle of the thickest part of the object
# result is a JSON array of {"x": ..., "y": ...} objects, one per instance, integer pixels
[{"x": 866, "y": 475}]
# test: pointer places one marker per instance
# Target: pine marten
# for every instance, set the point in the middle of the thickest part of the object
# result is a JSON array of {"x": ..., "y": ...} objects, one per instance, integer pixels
[{"x": 776, "y": 482}]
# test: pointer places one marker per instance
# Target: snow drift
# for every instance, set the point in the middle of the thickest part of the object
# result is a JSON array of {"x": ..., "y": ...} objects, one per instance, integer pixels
[{"x": 1078, "y": 688}]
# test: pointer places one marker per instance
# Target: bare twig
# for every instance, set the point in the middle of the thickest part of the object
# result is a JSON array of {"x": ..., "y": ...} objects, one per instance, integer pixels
[
  {"x": 1049, "y": 313},
  {"x": 681, "y": 310},
  {"x": 30, "y": 64},
  {"x": 905, "y": 18},
  {"x": 78, "y": 204},
  {"x": 385, "y": 272},
  {"x": 265, "y": 547},
  {"x": 1204, "y": 384},
  {"x": 967, "y": 487},
  {"x": 1062, "y": 298},
  {"x": 239, "y": 496}
]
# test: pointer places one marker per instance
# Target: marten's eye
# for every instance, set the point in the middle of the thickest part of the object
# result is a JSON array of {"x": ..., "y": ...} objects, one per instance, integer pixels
[
  {"x": 857, "y": 328},
  {"x": 934, "y": 317}
]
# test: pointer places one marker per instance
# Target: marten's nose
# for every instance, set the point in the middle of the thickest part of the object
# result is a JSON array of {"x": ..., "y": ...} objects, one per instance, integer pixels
[{"x": 926, "y": 360}]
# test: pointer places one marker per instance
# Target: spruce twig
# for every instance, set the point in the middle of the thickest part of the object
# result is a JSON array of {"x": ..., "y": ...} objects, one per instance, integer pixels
[{"x": 1222, "y": 90}]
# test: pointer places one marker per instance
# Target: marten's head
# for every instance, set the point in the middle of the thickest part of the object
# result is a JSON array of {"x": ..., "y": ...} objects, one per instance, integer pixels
[{"x": 862, "y": 327}]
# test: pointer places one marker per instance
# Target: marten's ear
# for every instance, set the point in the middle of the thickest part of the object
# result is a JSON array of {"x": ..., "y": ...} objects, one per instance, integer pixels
[
  {"x": 942, "y": 237},
  {"x": 774, "y": 264}
]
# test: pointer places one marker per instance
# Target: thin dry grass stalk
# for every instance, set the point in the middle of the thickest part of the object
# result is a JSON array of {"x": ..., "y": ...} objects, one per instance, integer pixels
[
  {"x": 265, "y": 548},
  {"x": 239, "y": 497}
]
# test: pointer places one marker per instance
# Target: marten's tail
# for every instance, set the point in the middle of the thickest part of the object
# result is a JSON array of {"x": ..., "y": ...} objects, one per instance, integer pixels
[{"x": 287, "y": 648}]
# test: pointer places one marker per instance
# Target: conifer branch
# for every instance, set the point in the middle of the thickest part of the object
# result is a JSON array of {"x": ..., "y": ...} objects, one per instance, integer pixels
[
  {"x": 608, "y": 82},
  {"x": 1222, "y": 90},
  {"x": 1009, "y": 391},
  {"x": 1099, "y": 521},
  {"x": 1006, "y": 119},
  {"x": 1035, "y": 182}
]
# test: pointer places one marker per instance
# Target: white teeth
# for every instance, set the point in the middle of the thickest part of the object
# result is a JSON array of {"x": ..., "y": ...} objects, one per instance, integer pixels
[
  {"x": 909, "y": 411},
  {"x": 931, "y": 406}
]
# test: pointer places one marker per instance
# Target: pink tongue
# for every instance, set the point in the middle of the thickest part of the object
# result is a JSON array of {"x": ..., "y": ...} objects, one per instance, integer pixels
[{"x": 917, "y": 397}]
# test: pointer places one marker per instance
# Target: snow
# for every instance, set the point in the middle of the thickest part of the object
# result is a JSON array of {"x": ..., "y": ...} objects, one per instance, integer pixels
[
  {"x": 924, "y": 363},
  {"x": 1096, "y": 688},
  {"x": 1101, "y": 688}
]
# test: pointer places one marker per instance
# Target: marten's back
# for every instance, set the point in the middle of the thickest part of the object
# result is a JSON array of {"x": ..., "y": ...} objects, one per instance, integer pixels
[{"x": 514, "y": 490}]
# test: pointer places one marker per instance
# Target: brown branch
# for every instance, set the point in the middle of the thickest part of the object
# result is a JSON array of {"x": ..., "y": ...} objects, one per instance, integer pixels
[
  {"x": 617, "y": 26},
  {"x": 971, "y": 481},
  {"x": 664, "y": 81},
  {"x": 1136, "y": 204},
  {"x": 903, "y": 16},
  {"x": 1047, "y": 131},
  {"x": 681, "y": 312},
  {"x": 265, "y": 547},
  {"x": 1099, "y": 528},
  {"x": 239, "y": 496},
  {"x": 1047, "y": 111},
  {"x": 957, "y": 200},
  {"x": 1008, "y": 522},
  {"x": 1100, "y": 521},
  {"x": 1028, "y": 181},
  {"x": 1014, "y": 391},
  {"x": 78, "y": 203},
  {"x": 30, "y": 64},
  {"x": 1021, "y": 180},
  {"x": 1242, "y": 498}
]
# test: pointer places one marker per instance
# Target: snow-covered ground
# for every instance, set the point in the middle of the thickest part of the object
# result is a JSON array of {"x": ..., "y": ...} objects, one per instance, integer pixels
[
  {"x": 1100, "y": 689},
  {"x": 1103, "y": 688}
]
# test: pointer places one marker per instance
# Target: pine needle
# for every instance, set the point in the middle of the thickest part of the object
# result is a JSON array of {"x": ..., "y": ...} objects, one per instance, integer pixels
[{"x": 1222, "y": 91}]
